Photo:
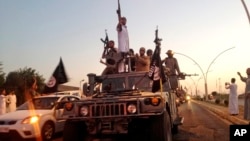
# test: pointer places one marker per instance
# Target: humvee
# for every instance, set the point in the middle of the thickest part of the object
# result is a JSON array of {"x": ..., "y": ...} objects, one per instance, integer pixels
[{"x": 122, "y": 105}]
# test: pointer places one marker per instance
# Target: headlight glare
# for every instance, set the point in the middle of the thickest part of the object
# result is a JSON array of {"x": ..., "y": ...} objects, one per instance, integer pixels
[{"x": 31, "y": 120}]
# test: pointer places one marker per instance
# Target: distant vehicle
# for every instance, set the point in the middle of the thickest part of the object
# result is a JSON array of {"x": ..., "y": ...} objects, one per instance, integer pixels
[
  {"x": 188, "y": 97},
  {"x": 75, "y": 93},
  {"x": 35, "y": 118}
]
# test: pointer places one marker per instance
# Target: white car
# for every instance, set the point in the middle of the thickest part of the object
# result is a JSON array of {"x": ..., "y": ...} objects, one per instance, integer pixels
[{"x": 35, "y": 118}]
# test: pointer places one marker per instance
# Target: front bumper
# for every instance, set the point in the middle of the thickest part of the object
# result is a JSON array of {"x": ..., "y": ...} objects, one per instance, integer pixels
[{"x": 24, "y": 131}]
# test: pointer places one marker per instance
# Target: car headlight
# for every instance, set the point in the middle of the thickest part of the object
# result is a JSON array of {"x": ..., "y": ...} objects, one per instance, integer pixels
[
  {"x": 177, "y": 100},
  {"x": 131, "y": 108},
  {"x": 84, "y": 110},
  {"x": 188, "y": 97},
  {"x": 31, "y": 120}
]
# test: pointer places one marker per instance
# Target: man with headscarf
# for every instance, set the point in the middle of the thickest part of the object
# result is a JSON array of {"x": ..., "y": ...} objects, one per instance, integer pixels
[
  {"x": 172, "y": 69},
  {"x": 142, "y": 62}
]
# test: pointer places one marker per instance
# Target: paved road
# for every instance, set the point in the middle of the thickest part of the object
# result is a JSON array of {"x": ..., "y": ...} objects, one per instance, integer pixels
[{"x": 200, "y": 123}]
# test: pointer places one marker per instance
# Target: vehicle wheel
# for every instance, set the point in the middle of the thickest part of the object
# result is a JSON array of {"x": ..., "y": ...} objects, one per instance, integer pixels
[
  {"x": 175, "y": 129},
  {"x": 161, "y": 128},
  {"x": 75, "y": 131},
  {"x": 48, "y": 131},
  {"x": 138, "y": 129}
]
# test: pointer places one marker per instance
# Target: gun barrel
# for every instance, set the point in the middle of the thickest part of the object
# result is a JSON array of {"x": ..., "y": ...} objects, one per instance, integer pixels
[{"x": 119, "y": 10}]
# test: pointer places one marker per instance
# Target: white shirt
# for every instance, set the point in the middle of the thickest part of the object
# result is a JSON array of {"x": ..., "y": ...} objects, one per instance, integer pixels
[{"x": 123, "y": 40}]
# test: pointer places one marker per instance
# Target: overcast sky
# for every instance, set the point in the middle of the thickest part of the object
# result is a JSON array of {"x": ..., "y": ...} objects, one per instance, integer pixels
[{"x": 37, "y": 33}]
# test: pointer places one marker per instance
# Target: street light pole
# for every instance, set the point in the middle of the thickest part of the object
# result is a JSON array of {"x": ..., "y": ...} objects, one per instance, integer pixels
[
  {"x": 245, "y": 7},
  {"x": 197, "y": 65},
  {"x": 206, "y": 89},
  {"x": 197, "y": 85},
  {"x": 205, "y": 74}
]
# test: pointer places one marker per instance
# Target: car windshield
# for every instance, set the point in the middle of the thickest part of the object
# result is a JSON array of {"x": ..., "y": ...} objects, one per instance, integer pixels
[{"x": 42, "y": 103}]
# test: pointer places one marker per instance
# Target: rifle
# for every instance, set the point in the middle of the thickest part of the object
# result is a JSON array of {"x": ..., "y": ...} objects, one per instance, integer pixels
[
  {"x": 183, "y": 75},
  {"x": 157, "y": 39},
  {"x": 105, "y": 43},
  {"x": 118, "y": 11},
  {"x": 106, "y": 38}
]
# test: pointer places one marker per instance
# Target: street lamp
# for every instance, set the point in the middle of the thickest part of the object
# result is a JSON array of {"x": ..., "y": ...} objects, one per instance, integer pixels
[
  {"x": 245, "y": 7},
  {"x": 206, "y": 91},
  {"x": 205, "y": 74},
  {"x": 197, "y": 85}
]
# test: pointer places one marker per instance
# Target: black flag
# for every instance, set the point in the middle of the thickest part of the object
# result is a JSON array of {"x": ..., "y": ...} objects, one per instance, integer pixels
[
  {"x": 58, "y": 77},
  {"x": 156, "y": 72}
]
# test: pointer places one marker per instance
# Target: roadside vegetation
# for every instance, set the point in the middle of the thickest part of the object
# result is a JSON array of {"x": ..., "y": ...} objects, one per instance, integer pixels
[
  {"x": 219, "y": 99},
  {"x": 20, "y": 81}
]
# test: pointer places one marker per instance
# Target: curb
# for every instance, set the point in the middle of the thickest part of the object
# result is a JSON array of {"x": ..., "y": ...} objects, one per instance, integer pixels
[{"x": 232, "y": 119}]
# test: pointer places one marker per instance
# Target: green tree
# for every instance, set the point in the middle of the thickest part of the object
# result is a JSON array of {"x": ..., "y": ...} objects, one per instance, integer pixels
[
  {"x": 2, "y": 75},
  {"x": 22, "y": 81}
]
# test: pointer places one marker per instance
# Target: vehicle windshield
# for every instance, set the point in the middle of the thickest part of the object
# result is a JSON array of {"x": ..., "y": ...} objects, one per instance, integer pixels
[
  {"x": 114, "y": 84},
  {"x": 140, "y": 82},
  {"x": 130, "y": 82},
  {"x": 134, "y": 82},
  {"x": 45, "y": 103}
]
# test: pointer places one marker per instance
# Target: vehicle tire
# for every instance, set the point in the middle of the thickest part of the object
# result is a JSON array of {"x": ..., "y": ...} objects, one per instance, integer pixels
[
  {"x": 161, "y": 128},
  {"x": 48, "y": 130},
  {"x": 75, "y": 131},
  {"x": 138, "y": 129},
  {"x": 175, "y": 129}
]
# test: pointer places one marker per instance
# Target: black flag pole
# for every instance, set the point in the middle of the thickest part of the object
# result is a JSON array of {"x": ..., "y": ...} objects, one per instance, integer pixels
[
  {"x": 59, "y": 76},
  {"x": 156, "y": 72}
]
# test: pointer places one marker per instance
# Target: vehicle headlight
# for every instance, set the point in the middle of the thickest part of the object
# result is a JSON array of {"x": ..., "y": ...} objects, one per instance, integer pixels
[
  {"x": 131, "y": 108},
  {"x": 188, "y": 97},
  {"x": 84, "y": 110},
  {"x": 177, "y": 100},
  {"x": 155, "y": 101},
  {"x": 68, "y": 106},
  {"x": 31, "y": 120}
]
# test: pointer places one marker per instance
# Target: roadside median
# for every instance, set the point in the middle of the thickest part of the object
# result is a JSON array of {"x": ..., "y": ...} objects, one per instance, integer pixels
[{"x": 222, "y": 111}]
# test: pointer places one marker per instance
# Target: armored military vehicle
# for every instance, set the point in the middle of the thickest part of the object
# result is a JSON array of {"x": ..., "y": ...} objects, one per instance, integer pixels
[{"x": 119, "y": 104}]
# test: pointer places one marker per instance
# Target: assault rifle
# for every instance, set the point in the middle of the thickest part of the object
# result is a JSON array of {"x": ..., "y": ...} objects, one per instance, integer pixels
[
  {"x": 157, "y": 39},
  {"x": 105, "y": 43},
  {"x": 106, "y": 38},
  {"x": 183, "y": 75},
  {"x": 118, "y": 11}
]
